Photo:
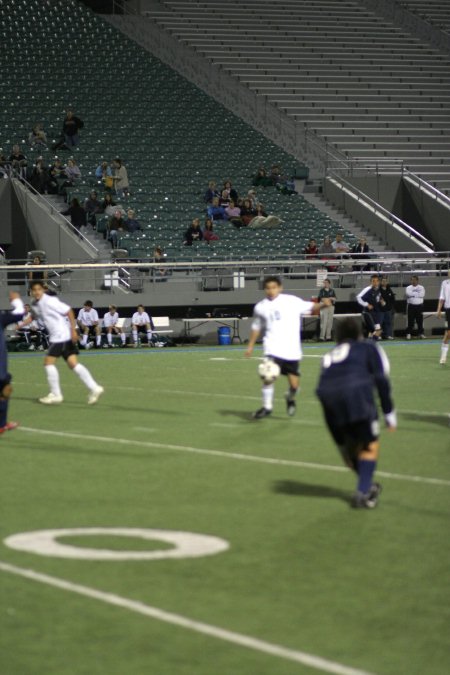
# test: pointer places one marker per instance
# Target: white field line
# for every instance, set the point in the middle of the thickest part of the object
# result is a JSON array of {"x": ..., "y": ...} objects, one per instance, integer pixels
[
  {"x": 228, "y": 455},
  {"x": 184, "y": 622}
]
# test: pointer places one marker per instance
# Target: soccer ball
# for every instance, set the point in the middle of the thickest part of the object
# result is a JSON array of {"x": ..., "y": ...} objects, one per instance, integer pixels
[{"x": 268, "y": 370}]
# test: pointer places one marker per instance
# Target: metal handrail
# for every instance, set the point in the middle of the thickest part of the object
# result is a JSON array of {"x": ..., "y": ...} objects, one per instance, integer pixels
[
  {"x": 377, "y": 207},
  {"x": 423, "y": 185}
]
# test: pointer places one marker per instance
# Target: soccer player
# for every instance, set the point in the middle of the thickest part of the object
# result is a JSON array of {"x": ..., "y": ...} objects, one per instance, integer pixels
[
  {"x": 280, "y": 315},
  {"x": 350, "y": 374},
  {"x": 141, "y": 322},
  {"x": 59, "y": 320},
  {"x": 110, "y": 323},
  {"x": 372, "y": 303},
  {"x": 87, "y": 321},
  {"x": 415, "y": 294},
  {"x": 444, "y": 303},
  {"x": 6, "y": 318}
]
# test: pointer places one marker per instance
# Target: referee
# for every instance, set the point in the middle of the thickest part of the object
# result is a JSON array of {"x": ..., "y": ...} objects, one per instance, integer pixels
[
  {"x": 444, "y": 302},
  {"x": 415, "y": 294}
]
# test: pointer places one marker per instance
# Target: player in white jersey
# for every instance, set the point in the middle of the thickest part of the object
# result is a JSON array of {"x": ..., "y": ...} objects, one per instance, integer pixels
[
  {"x": 87, "y": 321},
  {"x": 59, "y": 320},
  {"x": 141, "y": 322},
  {"x": 110, "y": 323},
  {"x": 444, "y": 303},
  {"x": 279, "y": 315}
]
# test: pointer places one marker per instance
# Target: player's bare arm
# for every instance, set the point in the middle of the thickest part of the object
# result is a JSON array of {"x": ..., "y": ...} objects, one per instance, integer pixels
[
  {"x": 439, "y": 308},
  {"x": 73, "y": 326},
  {"x": 254, "y": 334}
]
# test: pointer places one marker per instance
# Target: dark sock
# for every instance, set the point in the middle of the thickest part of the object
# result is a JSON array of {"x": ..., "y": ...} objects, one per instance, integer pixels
[
  {"x": 3, "y": 411},
  {"x": 292, "y": 393},
  {"x": 366, "y": 470}
]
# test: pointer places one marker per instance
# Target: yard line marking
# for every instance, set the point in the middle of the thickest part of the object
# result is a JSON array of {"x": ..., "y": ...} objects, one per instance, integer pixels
[
  {"x": 427, "y": 413},
  {"x": 184, "y": 622},
  {"x": 228, "y": 455}
]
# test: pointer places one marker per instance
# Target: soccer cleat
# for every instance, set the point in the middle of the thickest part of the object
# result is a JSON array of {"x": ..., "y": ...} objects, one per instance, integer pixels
[
  {"x": 95, "y": 395},
  {"x": 290, "y": 405},
  {"x": 9, "y": 426},
  {"x": 89, "y": 345},
  {"x": 261, "y": 413},
  {"x": 51, "y": 399},
  {"x": 423, "y": 337},
  {"x": 442, "y": 361},
  {"x": 373, "y": 495},
  {"x": 408, "y": 336}
]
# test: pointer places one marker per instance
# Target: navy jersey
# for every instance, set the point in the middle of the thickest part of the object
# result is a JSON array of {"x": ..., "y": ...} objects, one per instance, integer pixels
[
  {"x": 350, "y": 374},
  {"x": 6, "y": 318},
  {"x": 370, "y": 296}
]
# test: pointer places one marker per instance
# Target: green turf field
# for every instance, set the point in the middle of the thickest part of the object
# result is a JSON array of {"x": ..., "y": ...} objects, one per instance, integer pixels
[{"x": 171, "y": 446}]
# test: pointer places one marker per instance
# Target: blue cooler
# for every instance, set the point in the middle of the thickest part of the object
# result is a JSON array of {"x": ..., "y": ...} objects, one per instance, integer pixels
[{"x": 224, "y": 335}]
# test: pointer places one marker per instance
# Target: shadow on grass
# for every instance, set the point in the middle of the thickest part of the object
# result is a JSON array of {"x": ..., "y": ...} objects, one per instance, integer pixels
[
  {"x": 297, "y": 489},
  {"x": 248, "y": 416},
  {"x": 442, "y": 420}
]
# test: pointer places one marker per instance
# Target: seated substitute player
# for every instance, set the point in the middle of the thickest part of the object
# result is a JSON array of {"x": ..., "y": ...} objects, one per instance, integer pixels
[
  {"x": 279, "y": 314},
  {"x": 141, "y": 322},
  {"x": 88, "y": 323},
  {"x": 59, "y": 320},
  {"x": 444, "y": 303},
  {"x": 350, "y": 374},
  {"x": 6, "y": 318},
  {"x": 372, "y": 303},
  {"x": 110, "y": 323}
]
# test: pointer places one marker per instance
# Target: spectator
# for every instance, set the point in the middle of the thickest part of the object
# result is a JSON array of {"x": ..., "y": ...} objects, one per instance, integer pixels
[
  {"x": 326, "y": 313},
  {"x": 233, "y": 214},
  {"x": 160, "y": 273},
  {"x": 275, "y": 175},
  {"x": 224, "y": 199},
  {"x": 104, "y": 175},
  {"x": 88, "y": 324},
  {"x": 215, "y": 211},
  {"x": 57, "y": 177},
  {"x": 120, "y": 178},
  {"x": 415, "y": 294},
  {"x": 248, "y": 212},
  {"x": 193, "y": 233},
  {"x": 339, "y": 245},
  {"x": 252, "y": 196},
  {"x": 72, "y": 171},
  {"x": 231, "y": 192},
  {"x": 115, "y": 227},
  {"x": 263, "y": 220},
  {"x": 77, "y": 214},
  {"x": 37, "y": 275},
  {"x": 71, "y": 127},
  {"x": 208, "y": 231},
  {"x": 141, "y": 322},
  {"x": 37, "y": 135},
  {"x": 131, "y": 222},
  {"x": 93, "y": 208},
  {"x": 387, "y": 309},
  {"x": 39, "y": 178},
  {"x": 360, "y": 251},
  {"x": 211, "y": 192},
  {"x": 18, "y": 161},
  {"x": 108, "y": 204},
  {"x": 262, "y": 179},
  {"x": 326, "y": 247},
  {"x": 110, "y": 323},
  {"x": 311, "y": 249}
]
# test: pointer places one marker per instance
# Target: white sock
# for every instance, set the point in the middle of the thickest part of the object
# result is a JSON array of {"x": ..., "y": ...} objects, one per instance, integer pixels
[
  {"x": 149, "y": 336},
  {"x": 135, "y": 336},
  {"x": 99, "y": 340},
  {"x": 267, "y": 396},
  {"x": 444, "y": 351},
  {"x": 109, "y": 338},
  {"x": 123, "y": 337},
  {"x": 85, "y": 376},
  {"x": 84, "y": 340},
  {"x": 53, "y": 379}
]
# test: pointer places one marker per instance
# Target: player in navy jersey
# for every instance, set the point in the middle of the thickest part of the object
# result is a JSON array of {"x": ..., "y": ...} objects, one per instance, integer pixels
[
  {"x": 350, "y": 374},
  {"x": 372, "y": 303},
  {"x": 6, "y": 318}
]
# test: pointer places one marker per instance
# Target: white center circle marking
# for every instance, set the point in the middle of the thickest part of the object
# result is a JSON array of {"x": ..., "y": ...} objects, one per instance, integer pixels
[{"x": 185, "y": 544}]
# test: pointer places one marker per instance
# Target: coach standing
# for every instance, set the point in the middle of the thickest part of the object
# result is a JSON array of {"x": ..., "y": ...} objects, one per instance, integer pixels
[{"x": 415, "y": 294}]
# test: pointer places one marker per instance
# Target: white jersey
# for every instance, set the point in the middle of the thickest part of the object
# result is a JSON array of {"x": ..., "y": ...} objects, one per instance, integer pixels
[
  {"x": 53, "y": 314},
  {"x": 110, "y": 319},
  {"x": 140, "y": 319},
  {"x": 281, "y": 320},
  {"x": 445, "y": 293},
  {"x": 87, "y": 318},
  {"x": 415, "y": 294}
]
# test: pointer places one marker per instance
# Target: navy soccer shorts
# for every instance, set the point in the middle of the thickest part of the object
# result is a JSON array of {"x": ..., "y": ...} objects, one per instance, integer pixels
[
  {"x": 286, "y": 367},
  {"x": 64, "y": 349}
]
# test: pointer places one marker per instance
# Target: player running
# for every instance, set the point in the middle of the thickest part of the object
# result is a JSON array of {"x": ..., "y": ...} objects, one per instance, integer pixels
[
  {"x": 279, "y": 314},
  {"x": 6, "y": 318},
  {"x": 350, "y": 374},
  {"x": 59, "y": 320},
  {"x": 444, "y": 303}
]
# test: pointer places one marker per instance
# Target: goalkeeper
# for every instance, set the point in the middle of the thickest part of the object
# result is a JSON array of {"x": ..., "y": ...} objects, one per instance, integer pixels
[{"x": 279, "y": 316}]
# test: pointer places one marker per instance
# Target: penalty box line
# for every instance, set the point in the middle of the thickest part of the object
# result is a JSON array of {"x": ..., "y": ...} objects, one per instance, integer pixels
[
  {"x": 184, "y": 622},
  {"x": 227, "y": 455}
]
